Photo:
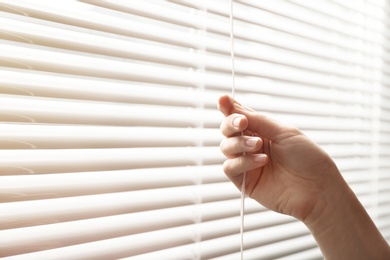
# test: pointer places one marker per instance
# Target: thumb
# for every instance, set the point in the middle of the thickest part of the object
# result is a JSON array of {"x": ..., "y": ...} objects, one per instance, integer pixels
[{"x": 262, "y": 125}]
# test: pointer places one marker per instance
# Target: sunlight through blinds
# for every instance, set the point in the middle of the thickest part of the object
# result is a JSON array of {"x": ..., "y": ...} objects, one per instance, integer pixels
[{"x": 109, "y": 134}]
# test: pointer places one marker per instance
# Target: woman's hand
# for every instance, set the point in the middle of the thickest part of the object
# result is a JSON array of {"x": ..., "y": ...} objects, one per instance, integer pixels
[
  {"x": 288, "y": 173},
  {"x": 285, "y": 171}
]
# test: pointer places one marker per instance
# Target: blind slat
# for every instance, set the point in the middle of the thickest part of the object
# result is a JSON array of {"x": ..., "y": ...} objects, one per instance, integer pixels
[
  {"x": 23, "y": 136},
  {"x": 73, "y": 160}
]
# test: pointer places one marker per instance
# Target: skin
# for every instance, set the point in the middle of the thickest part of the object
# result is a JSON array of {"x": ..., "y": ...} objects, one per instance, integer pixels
[{"x": 290, "y": 174}]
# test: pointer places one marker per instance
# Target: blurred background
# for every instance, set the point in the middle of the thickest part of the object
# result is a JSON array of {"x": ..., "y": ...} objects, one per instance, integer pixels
[{"x": 109, "y": 134}]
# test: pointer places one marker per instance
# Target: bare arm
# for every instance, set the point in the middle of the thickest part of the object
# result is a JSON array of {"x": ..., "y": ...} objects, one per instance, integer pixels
[
  {"x": 343, "y": 229},
  {"x": 290, "y": 174}
]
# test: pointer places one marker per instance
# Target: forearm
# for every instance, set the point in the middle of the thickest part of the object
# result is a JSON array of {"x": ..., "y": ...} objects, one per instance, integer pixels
[{"x": 343, "y": 229}]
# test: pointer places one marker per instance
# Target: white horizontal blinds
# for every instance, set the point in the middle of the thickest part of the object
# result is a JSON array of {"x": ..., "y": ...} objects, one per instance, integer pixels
[
  {"x": 110, "y": 135},
  {"x": 104, "y": 131}
]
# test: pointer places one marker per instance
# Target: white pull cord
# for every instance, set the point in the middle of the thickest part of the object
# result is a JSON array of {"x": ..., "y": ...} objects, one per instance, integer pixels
[
  {"x": 232, "y": 47},
  {"x": 233, "y": 92}
]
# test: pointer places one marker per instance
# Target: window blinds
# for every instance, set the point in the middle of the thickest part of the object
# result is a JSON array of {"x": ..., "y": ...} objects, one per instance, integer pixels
[{"x": 109, "y": 135}]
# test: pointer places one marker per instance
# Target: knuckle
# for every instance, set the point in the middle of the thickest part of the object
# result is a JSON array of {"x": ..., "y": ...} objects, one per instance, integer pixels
[
  {"x": 222, "y": 146},
  {"x": 233, "y": 166},
  {"x": 222, "y": 126},
  {"x": 227, "y": 167},
  {"x": 292, "y": 130}
]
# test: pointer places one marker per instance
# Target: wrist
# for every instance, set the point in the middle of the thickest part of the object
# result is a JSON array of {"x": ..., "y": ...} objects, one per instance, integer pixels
[
  {"x": 330, "y": 203},
  {"x": 342, "y": 227}
]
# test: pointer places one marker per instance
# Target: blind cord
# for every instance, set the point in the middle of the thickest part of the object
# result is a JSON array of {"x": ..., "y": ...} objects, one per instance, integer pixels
[{"x": 242, "y": 210}]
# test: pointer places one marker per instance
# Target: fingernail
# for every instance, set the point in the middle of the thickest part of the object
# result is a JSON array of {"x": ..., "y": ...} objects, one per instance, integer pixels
[
  {"x": 251, "y": 142},
  {"x": 236, "y": 121},
  {"x": 260, "y": 158}
]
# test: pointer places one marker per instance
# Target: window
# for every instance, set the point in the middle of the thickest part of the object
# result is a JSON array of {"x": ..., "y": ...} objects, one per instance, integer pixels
[{"x": 109, "y": 130}]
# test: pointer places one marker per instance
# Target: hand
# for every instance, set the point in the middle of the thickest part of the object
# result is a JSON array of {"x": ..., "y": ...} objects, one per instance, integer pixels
[
  {"x": 285, "y": 171},
  {"x": 290, "y": 174}
]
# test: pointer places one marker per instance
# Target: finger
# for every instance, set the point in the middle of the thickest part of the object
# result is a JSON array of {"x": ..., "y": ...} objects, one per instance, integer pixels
[
  {"x": 258, "y": 123},
  {"x": 233, "y": 124},
  {"x": 236, "y": 166},
  {"x": 231, "y": 147},
  {"x": 226, "y": 105}
]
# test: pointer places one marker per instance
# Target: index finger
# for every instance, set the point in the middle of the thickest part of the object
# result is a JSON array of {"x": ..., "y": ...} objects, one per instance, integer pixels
[{"x": 257, "y": 123}]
